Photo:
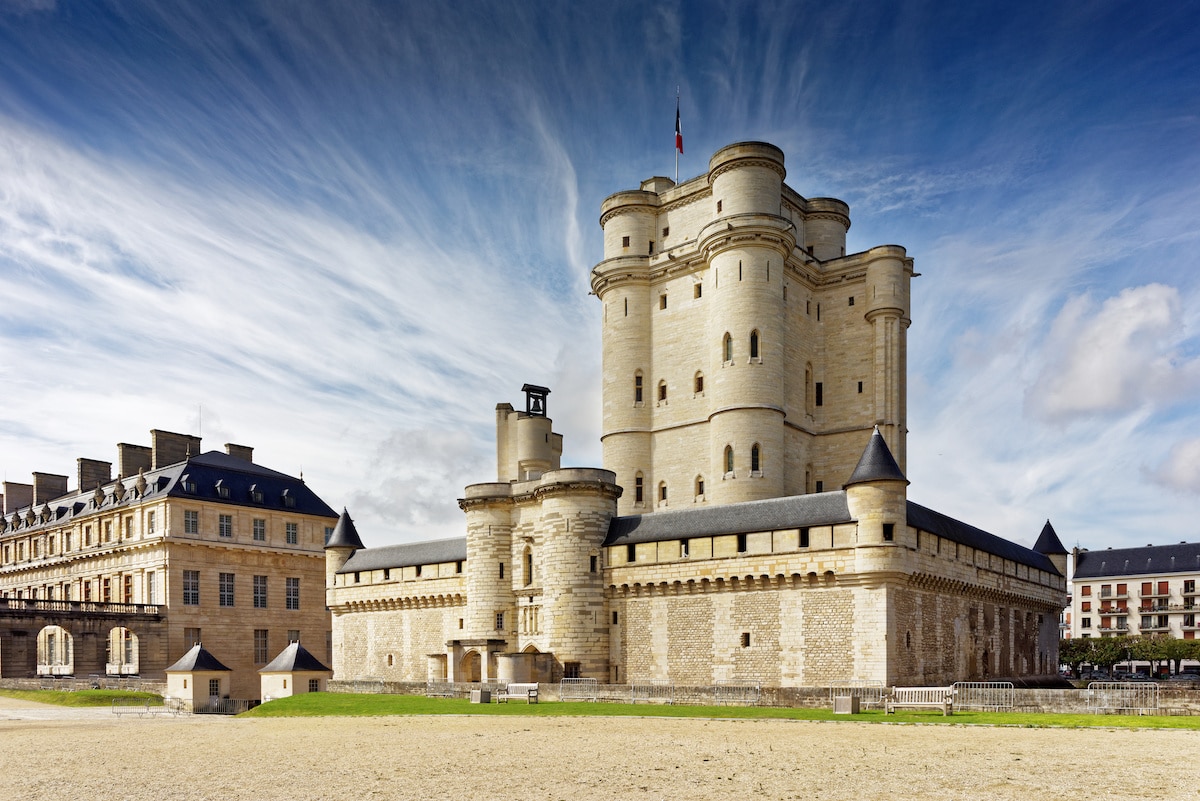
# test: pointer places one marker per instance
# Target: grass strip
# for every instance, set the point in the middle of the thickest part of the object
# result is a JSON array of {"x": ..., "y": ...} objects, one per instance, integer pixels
[
  {"x": 82, "y": 697},
  {"x": 350, "y": 705}
]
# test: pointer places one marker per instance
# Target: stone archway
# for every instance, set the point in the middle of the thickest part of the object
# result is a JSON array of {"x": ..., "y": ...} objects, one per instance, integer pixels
[
  {"x": 470, "y": 667},
  {"x": 55, "y": 652},
  {"x": 124, "y": 654}
]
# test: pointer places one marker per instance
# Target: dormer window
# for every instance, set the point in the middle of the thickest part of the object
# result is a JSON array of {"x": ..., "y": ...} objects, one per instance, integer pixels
[
  {"x": 222, "y": 489},
  {"x": 188, "y": 485},
  {"x": 289, "y": 500},
  {"x": 256, "y": 495}
]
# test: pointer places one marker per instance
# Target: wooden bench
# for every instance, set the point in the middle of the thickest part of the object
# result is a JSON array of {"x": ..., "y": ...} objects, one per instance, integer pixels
[
  {"x": 933, "y": 697},
  {"x": 519, "y": 691}
]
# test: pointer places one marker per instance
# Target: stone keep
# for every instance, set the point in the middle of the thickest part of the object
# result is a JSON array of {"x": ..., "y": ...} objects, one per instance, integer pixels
[{"x": 746, "y": 356}]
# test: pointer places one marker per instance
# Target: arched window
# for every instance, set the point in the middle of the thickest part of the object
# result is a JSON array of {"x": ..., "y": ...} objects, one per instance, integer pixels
[
  {"x": 637, "y": 387},
  {"x": 755, "y": 459},
  {"x": 699, "y": 383},
  {"x": 728, "y": 458},
  {"x": 662, "y": 492},
  {"x": 727, "y": 348},
  {"x": 754, "y": 344},
  {"x": 699, "y": 486},
  {"x": 662, "y": 391},
  {"x": 639, "y": 483}
]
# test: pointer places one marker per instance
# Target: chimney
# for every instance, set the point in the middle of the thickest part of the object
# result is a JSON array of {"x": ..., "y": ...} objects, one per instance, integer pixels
[
  {"x": 132, "y": 458},
  {"x": 170, "y": 448},
  {"x": 244, "y": 452},
  {"x": 17, "y": 496},
  {"x": 93, "y": 473},
  {"x": 47, "y": 487}
]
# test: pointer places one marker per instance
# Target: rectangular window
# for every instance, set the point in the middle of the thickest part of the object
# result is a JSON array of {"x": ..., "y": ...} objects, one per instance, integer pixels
[
  {"x": 1085, "y": 622},
  {"x": 499, "y": 621},
  {"x": 262, "y": 651},
  {"x": 662, "y": 301},
  {"x": 293, "y": 593},
  {"x": 1122, "y": 589},
  {"x": 745, "y": 639},
  {"x": 293, "y": 533},
  {"x": 149, "y": 522},
  {"x": 1086, "y": 606},
  {"x": 889, "y": 532},
  {"x": 1189, "y": 586},
  {"x": 191, "y": 637},
  {"x": 260, "y": 592},
  {"x": 151, "y": 594},
  {"x": 501, "y": 570},
  {"x": 105, "y": 590},
  {"x": 1164, "y": 588},
  {"x": 638, "y": 495},
  {"x": 1085, "y": 590},
  {"x": 260, "y": 530},
  {"x": 614, "y": 618},
  {"x": 191, "y": 521},
  {"x": 314, "y": 685},
  {"x": 328, "y": 533},
  {"x": 820, "y": 486},
  {"x": 87, "y": 536},
  {"x": 191, "y": 588},
  {"x": 1105, "y": 590},
  {"x": 127, "y": 589},
  {"x": 631, "y": 553},
  {"x": 741, "y": 543},
  {"x": 225, "y": 584},
  {"x": 293, "y": 636},
  {"x": 819, "y": 393},
  {"x": 624, "y": 241},
  {"x": 214, "y": 688},
  {"x": 684, "y": 547},
  {"x": 108, "y": 531},
  {"x": 570, "y": 670},
  {"x": 128, "y": 528},
  {"x": 225, "y": 525},
  {"x": 697, "y": 290},
  {"x": 593, "y": 563},
  {"x": 804, "y": 537}
]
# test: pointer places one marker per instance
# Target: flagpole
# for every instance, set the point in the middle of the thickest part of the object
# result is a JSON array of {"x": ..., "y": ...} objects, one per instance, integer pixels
[{"x": 678, "y": 135}]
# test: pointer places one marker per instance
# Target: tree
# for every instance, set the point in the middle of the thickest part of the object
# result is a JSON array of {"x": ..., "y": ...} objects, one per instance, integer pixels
[
  {"x": 1175, "y": 651},
  {"x": 1074, "y": 653},
  {"x": 1108, "y": 651}
]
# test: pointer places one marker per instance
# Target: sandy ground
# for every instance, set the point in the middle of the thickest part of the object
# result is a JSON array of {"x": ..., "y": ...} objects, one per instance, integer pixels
[{"x": 52, "y": 753}]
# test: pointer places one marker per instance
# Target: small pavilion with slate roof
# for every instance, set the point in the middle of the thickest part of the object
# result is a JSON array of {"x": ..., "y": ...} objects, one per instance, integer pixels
[
  {"x": 293, "y": 672},
  {"x": 198, "y": 678}
]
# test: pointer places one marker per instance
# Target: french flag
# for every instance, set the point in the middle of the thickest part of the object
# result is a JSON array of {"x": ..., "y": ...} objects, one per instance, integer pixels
[{"x": 678, "y": 130}]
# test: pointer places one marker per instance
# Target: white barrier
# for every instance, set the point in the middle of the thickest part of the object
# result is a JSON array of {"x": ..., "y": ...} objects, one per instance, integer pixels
[
  {"x": 986, "y": 696},
  {"x": 655, "y": 691},
  {"x": 869, "y": 692},
  {"x": 578, "y": 690},
  {"x": 1140, "y": 697},
  {"x": 729, "y": 693}
]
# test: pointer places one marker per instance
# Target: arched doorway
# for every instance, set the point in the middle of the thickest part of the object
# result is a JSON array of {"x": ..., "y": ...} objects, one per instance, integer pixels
[
  {"x": 55, "y": 652},
  {"x": 470, "y": 667},
  {"x": 123, "y": 653}
]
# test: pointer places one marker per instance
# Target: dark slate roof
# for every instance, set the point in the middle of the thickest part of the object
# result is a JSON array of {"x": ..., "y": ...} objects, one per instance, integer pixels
[
  {"x": 196, "y": 659},
  {"x": 1048, "y": 541},
  {"x": 964, "y": 534},
  {"x": 1114, "y": 562},
  {"x": 876, "y": 463},
  {"x": 293, "y": 658},
  {"x": 203, "y": 471},
  {"x": 794, "y": 511},
  {"x": 345, "y": 535},
  {"x": 416, "y": 553}
]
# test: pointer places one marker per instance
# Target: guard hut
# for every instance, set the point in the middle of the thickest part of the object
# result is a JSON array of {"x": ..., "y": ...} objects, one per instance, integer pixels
[
  {"x": 293, "y": 672},
  {"x": 198, "y": 680}
]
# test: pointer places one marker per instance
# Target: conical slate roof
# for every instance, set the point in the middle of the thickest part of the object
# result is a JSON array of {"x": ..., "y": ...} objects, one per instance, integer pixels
[
  {"x": 1048, "y": 541},
  {"x": 344, "y": 534},
  {"x": 293, "y": 658},
  {"x": 197, "y": 659},
  {"x": 876, "y": 464}
]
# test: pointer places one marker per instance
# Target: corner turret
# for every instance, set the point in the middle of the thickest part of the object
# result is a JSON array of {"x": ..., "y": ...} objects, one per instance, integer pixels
[
  {"x": 877, "y": 495},
  {"x": 341, "y": 546},
  {"x": 1051, "y": 546}
]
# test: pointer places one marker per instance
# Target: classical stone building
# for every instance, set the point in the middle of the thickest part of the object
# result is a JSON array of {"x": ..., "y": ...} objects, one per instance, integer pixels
[
  {"x": 1131, "y": 591},
  {"x": 122, "y": 576},
  {"x": 752, "y": 523}
]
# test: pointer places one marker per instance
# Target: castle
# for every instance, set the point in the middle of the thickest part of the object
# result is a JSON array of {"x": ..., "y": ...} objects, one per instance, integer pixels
[{"x": 751, "y": 523}]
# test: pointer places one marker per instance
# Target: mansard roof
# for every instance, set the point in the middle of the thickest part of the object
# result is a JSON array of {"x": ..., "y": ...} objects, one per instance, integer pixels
[
  {"x": 241, "y": 482},
  {"x": 292, "y": 659},
  {"x": 432, "y": 552},
  {"x": 345, "y": 535},
  {"x": 198, "y": 658},
  {"x": 876, "y": 463},
  {"x": 1150, "y": 560},
  {"x": 1048, "y": 541}
]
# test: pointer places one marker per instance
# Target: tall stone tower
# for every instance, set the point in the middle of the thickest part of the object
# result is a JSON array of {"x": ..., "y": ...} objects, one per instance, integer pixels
[{"x": 746, "y": 356}]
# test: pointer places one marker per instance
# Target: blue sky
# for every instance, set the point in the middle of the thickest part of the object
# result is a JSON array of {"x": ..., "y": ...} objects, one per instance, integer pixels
[{"x": 342, "y": 232}]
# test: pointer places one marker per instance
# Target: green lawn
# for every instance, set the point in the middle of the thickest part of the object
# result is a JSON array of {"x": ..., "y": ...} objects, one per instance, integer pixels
[
  {"x": 81, "y": 697},
  {"x": 346, "y": 704}
]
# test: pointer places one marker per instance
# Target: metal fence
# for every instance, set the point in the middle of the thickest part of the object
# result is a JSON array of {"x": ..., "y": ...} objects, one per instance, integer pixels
[
  {"x": 660, "y": 691},
  {"x": 1129, "y": 697},
  {"x": 728, "y": 693},
  {"x": 986, "y": 696},
  {"x": 225, "y": 706},
  {"x": 869, "y": 692},
  {"x": 578, "y": 690}
]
